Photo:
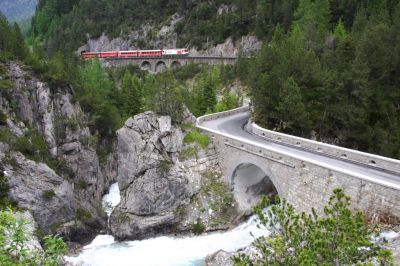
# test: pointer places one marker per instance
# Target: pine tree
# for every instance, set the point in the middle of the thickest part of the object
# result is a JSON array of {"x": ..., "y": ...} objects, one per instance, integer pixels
[{"x": 292, "y": 112}]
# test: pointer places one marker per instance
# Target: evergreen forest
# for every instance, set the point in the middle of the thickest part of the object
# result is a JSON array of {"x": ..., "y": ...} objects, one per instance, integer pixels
[{"x": 328, "y": 70}]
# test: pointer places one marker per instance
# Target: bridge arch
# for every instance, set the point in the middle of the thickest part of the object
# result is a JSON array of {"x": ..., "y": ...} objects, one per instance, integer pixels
[
  {"x": 175, "y": 64},
  {"x": 145, "y": 65},
  {"x": 250, "y": 179},
  {"x": 160, "y": 66}
]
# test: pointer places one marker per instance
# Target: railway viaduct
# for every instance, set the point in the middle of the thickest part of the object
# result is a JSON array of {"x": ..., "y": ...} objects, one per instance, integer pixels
[
  {"x": 256, "y": 161},
  {"x": 157, "y": 64}
]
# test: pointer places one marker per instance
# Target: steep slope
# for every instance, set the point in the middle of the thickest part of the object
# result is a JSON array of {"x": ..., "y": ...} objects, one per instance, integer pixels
[{"x": 47, "y": 157}]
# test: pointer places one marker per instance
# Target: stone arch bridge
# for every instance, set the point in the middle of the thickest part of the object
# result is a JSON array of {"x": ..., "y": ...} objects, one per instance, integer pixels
[
  {"x": 257, "y": 162},
  {"x": 157, "y": 64}
]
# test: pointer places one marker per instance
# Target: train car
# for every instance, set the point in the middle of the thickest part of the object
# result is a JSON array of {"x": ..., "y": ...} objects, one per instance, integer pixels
[
  {"x": 111, "y": 54},
  {"x": 88, "y": 55},
  {"x": 175, "y": 52},
  {"x": 149, "y": 53},
  {"x": 136, "y": 53},
  {"x": 124, "y": 54}
]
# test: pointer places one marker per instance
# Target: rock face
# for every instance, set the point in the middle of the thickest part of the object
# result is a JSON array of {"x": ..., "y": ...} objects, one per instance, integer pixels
[
  {"x": 166, "y": 37},
  {"x": 32, "y": 105},
  {"x": 153, "y": 183},
  {"x": 163, "y": 189},
  {"x": 38, "y": 188},
  {"x": 142, "y": 38}
]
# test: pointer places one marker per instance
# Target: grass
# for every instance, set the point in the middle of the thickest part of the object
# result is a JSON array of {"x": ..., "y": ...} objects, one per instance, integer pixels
[
  {"x": 188, "y": 153},
  {"x": 195, "y": 136}
]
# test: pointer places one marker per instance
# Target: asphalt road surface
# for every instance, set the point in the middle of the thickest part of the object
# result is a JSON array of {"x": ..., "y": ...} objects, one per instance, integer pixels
[{"x": 233, "y": 126}]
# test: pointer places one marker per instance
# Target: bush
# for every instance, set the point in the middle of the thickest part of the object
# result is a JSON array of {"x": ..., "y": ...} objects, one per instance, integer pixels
[
  {"x": 198, "y": 227},
  {"x": 81, "y": 184},
  {"x": 5, "y": 201},
  {"x": 14, "y": 248},
  {"x": 188, "y": 153},
  {"x": 195, "y": 136},
  {"x": 48, "y": 194},
  {"x": 3, "y": 118},
  {"x": 338, "y": 238},
  {"x": 83, "y": 215}
]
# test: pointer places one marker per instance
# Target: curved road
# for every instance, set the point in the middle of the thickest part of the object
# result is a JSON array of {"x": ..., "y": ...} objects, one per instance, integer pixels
[{"x": 233, "y": 126}]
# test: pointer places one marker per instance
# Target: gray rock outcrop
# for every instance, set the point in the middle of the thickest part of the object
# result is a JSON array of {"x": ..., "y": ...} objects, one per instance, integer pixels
[
  {"x": 34, "y": 106},
  {"x": 152, "y": 181},
  {"x": 38, "y": 188}
]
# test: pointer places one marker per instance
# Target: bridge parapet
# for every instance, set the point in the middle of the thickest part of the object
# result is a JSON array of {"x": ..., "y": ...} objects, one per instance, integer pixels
[
  {"x": 214, "y": 116},
  {"x": 285, "y": 158},
  {"x": 354, "y": 156}
]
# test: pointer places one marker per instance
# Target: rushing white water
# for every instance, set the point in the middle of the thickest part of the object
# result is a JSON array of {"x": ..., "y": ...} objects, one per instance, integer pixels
[
  {"x": 111, "y": 199},
  {"x": 165, "y": 250}
]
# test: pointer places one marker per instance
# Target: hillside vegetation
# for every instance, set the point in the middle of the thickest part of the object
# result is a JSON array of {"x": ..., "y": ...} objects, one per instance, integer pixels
[
  {"x": 329, "y": 69},
  {"x": 337, "y": 81}
]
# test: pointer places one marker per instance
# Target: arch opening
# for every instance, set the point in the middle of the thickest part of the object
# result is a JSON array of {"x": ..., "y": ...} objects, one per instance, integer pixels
[
  {"x": 175, "y": 65},
  {"x": 160, "y": 66},
  {"x": 145, "y": 65},
  {"x": 249, "y": 184}
]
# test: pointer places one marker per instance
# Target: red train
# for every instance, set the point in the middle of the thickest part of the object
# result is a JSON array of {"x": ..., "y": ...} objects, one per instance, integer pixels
[{"x": 136, "y": 53}]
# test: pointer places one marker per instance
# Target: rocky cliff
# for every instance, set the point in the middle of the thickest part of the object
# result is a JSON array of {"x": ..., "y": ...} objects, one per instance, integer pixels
[
  {"x": 50, "y": 167},
  {"x": 160, "y": 183},
  {"x": 164, "y": 36}
]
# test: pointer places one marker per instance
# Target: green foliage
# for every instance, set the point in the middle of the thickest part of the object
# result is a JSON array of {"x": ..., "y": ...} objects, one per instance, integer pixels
[
  {"x": 165, "y": 96},
  {"x": 228, "y": 102},
  {"x": 131, "y": 95},
  {"x": 11, "y": 41},
  {"x": 340, "y": 237},
  {"x": 14, "y": 249},
  {"x": 5, "y": 201},
  {"x": 203, "y": 97},
  {"x": 189, "y": 152},
  {"x": 219, "y": 192},
  {"x": 48, "y": 194},
  {"x": 83, "y": 215},
  {"x": 3, "y": 118},
  {"x": 197, "y": 137},
  {"x": 81, "y": 184},
  {"x": 334, "y": 73},
  {"x": 5, "y": 85},
  {"x": 163, "y": 167},
  {"x": 97, "y": 97},
  {"x": 198, "y": 227}
]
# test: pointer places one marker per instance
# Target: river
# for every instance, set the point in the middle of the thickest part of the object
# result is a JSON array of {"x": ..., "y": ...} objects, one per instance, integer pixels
[{"x": 163, "y": 250}]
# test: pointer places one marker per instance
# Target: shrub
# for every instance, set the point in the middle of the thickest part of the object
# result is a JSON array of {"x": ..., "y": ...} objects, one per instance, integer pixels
[
  {"x": 14, "y": 248},
  {"x": 340, "y": 237},
  {"x": 3, "y": 118},
  {"x": 190, "y": 152},
  {"x": 196, "y": 136},
  {"x": 5, "y": 201},
  {"x": 198, "y": 227},
  {"x": 5, "y": 84},
  {"x": 163, "y": 166},
  {"x": 48, "y": 194},
  {"x": 83, "y": 215},
  {"x": 81, "y": 184}
]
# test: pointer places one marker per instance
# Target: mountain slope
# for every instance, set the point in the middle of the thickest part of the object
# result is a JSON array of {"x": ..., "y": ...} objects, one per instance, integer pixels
[{"x": 17, "y": 10}]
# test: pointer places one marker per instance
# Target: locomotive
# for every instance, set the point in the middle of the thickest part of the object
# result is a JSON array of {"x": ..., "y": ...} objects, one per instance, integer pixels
[{"x": 136, "y": 53}]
